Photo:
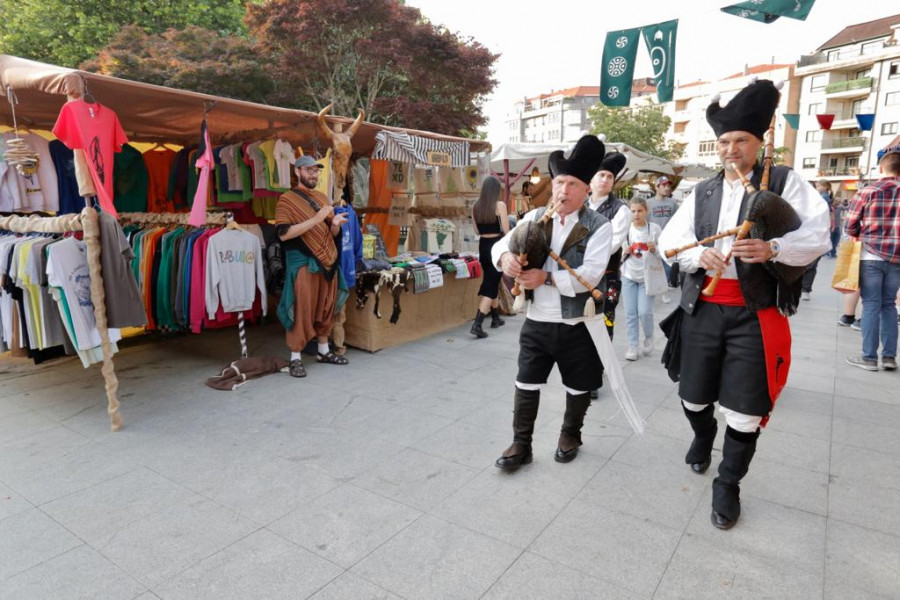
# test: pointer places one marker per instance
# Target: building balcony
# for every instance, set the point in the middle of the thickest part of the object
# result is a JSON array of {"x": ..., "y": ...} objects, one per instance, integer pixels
[
  {"x": 838, "y": 59},
  {"x": 846, "y": 145},
  {"x": 839, "y": 173},
  {"x": 849, "y": 89}
]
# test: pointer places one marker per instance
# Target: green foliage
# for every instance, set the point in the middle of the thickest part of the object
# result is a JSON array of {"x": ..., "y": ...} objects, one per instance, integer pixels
[
  {"x": 378, "y": 55},
  {"x": 68, "y": 32},
  {"x": 642, "y": 127},
  {"x": 193, "y": 59}
]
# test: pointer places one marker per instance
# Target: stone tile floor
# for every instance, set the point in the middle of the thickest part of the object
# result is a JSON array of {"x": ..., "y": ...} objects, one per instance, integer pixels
[{"x": 377, "y": 480}]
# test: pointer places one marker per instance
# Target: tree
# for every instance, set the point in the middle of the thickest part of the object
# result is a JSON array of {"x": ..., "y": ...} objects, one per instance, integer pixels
[
  {"x": 643, "y": 127},
  {"x": 68, "y": 32},
  {"x": 193, "y": 59},
  {"x": 378, "y": 55}
]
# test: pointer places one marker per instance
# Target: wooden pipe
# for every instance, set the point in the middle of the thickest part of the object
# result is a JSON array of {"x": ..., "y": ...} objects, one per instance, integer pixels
[
  {"x": 517, "y": 289},
  {"x": 728, "y": 232},
  {"x": 743, "y": 232},
  {"x": 597, "y": 294}
]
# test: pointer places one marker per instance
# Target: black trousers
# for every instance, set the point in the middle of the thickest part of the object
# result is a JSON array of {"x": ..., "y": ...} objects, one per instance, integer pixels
[
  {"x": 570, "y": 347},
  {"x": 722, "y": 359}
]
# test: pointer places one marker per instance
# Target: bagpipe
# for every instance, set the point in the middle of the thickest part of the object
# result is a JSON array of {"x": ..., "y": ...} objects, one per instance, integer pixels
[{"x": 529, "y": 243}]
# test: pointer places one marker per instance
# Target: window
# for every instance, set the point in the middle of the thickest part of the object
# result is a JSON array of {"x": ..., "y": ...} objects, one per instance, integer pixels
[
  {"x": 815, "y": 108},
  {"x": 809, "y": 163},
  {"x": 680, "y": 127},
  {"x": 894, "y": 69},
  {"x": 834, "y": 55},
  {"x": 851, "y": 162},
  {"x": 871, "y": 47},
  {"x": 681, "y": 104},
  {"x": 707, "y": 148},
  {"x": 832, "y": 163},
  {"x": 813, "y": 136},
  {"x": 861, "y": 74},
  {"x": 892, "y": 99},
  {"x": 818, "y": 82},
  {"x": 889, "y": 128}
]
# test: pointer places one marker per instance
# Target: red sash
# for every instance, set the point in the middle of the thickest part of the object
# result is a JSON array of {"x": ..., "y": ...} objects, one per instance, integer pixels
[{"x": 774, "y": 328}]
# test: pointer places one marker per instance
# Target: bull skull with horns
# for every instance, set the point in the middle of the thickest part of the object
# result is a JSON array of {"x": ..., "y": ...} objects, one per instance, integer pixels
[{"x": 340, "y": 143}]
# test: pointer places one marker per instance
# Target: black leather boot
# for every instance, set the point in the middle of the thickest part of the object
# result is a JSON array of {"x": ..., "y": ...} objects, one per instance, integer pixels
[
  {"x": 496, "y": 321},
  {"x": 705, "y": 428},
  {"x": 573, "y": 421},
  {"x": 477, "y": 330},
  {"x": 737, "y": 452},
  {"x": 525, "y": 412}
]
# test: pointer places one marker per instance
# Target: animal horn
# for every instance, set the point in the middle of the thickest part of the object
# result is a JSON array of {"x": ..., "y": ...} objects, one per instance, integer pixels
[
  {"x": 359, "y": 119},
  {"x": 324, "y": 129}
]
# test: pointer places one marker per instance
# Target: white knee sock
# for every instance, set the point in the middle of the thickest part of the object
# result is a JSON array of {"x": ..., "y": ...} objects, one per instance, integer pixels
[
  {"x": 295, "y": 356},
  {"x": 324, "y": 349}
]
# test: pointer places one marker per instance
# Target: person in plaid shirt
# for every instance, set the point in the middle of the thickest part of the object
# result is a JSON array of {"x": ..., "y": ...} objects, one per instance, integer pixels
[{"x": 874, "y": 219}]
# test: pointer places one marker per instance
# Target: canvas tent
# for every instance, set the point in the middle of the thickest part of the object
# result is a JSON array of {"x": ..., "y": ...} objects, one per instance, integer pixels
[{"x": 151, "y": 113}]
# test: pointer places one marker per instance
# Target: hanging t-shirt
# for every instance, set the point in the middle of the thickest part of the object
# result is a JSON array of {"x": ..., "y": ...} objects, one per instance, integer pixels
[
  {"x": 159, "y": 167},
  {"x": 205, "y": 164},
  {"x": 95, "y": 129},
  {"x": 284, "y": 160},
  {"x": 66, "y": 183},
  {"x": 638, "y": 239},
  {"x": 67, "y": 268},
  {"x": 41, "y": 193},
  {"x": 130, "y": 180},
  {"x": 124, "y": 307}
]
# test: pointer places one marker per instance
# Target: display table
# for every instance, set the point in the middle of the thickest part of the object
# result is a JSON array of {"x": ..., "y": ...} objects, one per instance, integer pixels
[{"x": 421, "y": 315}]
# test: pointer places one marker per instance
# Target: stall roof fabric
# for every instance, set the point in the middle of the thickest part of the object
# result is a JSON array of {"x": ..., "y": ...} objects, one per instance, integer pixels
[
  {"x": 152, "y": 113},
  {"x": 519, "y": 154}
]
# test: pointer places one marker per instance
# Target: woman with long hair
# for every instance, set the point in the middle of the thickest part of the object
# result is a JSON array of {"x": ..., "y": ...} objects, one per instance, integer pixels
[{"x": 491, "y": 223}]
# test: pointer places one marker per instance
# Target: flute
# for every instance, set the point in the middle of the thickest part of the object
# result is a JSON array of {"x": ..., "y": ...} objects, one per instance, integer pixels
[
  {"x": 743, "y": 232},
  {"x": 597, "y": 294}
]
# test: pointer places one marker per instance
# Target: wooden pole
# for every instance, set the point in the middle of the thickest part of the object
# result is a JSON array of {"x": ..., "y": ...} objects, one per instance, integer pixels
[{"x": 91, "y": 225}]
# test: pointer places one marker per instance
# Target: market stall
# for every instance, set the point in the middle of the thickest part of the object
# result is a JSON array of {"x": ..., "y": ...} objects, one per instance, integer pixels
[{"x": 188, "y": 126}]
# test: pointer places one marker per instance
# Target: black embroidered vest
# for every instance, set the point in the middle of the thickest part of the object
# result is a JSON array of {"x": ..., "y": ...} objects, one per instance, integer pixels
[
  {"x": 758, "y": 285},
  {"x": 608, "y": 208}
]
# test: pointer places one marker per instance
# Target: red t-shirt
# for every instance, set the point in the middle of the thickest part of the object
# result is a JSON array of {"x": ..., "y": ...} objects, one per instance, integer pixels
[{"x": 96, "y": 130}]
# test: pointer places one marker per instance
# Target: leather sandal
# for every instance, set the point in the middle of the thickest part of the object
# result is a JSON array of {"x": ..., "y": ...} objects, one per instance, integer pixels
[
  {"x": 332, "y": 359},
  {"x": 296, "y": 369}
]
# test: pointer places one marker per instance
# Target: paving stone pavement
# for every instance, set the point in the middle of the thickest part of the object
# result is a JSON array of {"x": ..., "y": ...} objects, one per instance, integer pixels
[{"x": 377, "y": 480}]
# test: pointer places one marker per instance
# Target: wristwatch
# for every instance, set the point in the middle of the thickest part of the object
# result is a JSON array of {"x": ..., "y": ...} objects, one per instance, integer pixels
[
  {"x": 549, "y": 279},
  {"x": 774, "y": 248}
]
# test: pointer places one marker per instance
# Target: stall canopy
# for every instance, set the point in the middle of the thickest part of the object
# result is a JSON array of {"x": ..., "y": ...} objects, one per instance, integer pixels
[
  {"x": 523, "y": 156},
  {"x": 151, "y": 113}
]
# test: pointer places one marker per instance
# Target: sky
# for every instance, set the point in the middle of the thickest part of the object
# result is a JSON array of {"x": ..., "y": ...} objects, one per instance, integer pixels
[{"x": 547, "y": 46}]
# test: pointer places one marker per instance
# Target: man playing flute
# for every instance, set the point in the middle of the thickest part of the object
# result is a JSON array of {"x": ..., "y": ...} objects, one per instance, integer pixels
[{"x": 735, "y": 345}]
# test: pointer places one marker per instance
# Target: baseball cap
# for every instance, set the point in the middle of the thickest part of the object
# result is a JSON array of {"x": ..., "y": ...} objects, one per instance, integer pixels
[
  {"x": 307, "y": 161},
  {"x": 663, "y": 179}
]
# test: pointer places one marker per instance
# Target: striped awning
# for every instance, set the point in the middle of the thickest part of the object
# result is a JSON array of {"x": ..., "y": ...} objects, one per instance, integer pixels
[{"x": 403, "y": 147}]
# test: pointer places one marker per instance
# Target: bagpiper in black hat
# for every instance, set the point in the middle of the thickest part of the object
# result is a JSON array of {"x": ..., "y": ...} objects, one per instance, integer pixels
[
  {"x": 751, "y": 110},
  {"x": 582, "y": 163}
]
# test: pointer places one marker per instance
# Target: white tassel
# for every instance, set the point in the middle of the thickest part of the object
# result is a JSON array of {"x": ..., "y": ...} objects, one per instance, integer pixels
[
  {"x": 779, "y": 85},
  {"x": 519, "y": 304},
  {"x": 589, "y": 310},
  {"x": 602, "y": 137},
  {"x": 715, "y": 99},
  {"x": 598, "y": 332},
  {"x": 754, "y": 79}
]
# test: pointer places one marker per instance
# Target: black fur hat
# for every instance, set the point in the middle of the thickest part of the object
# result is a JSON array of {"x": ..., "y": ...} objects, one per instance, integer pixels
[
  {"x": 751, "y": 110},
  {"x": 613, "y": 162},
  {"x": 584, "y": 161}
]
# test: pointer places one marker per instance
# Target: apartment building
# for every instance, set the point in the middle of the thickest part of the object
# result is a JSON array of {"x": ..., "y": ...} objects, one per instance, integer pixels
[
  {"x": 560, "y": 116},
  {"x": 687, "y": 112},
  {"x": 855, "y": 72}
]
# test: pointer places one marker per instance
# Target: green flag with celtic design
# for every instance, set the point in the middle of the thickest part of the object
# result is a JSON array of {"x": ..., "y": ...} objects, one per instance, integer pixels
[
  {"x": 619, "y": 53},
  {"x": 660, "y": 41},
  {"x": 766, "y": 11}
]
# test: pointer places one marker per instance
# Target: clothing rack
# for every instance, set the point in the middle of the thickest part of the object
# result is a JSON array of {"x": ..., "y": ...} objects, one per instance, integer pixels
[{"x": 87, "y": 222}]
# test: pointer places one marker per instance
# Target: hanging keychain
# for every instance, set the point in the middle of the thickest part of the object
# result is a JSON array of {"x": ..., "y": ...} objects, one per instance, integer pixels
[{"x": 18, "y": 152}]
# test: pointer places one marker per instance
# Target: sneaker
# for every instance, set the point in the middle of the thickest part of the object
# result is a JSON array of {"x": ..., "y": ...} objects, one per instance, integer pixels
[
  {"x": 888, "y": 363},
  {"x": 665, "y": 298},
  {"x": 862, "y": 363},
  {"x": 805, "y": 296},
  {"x": 632, "y": 354},
  {"x": 845, "y": 320},
  {"x": 856, "y": 325},
  {"x": 647, "y": 346}
]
